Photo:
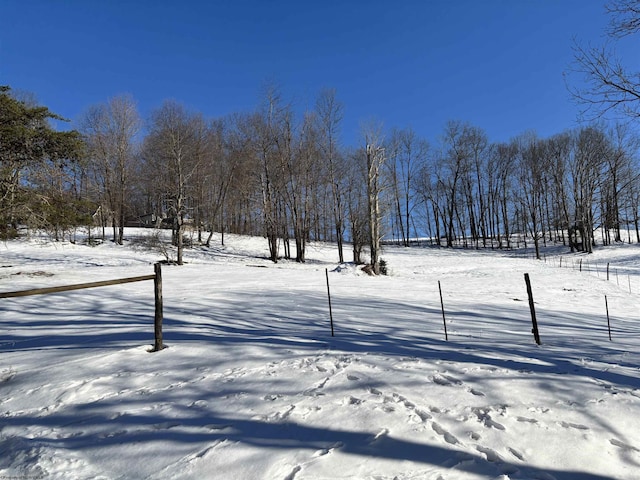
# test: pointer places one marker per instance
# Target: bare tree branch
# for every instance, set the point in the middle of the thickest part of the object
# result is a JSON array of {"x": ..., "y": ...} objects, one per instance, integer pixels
[
  {"x": 609, "y": 87},
  {"x": 625, "y": 17}
]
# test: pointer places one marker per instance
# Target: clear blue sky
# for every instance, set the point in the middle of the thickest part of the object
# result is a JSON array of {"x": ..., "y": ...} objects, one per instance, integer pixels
[{"x": 497, "y": 64}]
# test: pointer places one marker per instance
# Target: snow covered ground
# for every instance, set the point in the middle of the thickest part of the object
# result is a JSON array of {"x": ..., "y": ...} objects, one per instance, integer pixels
[{"x": 253, "y": 385}]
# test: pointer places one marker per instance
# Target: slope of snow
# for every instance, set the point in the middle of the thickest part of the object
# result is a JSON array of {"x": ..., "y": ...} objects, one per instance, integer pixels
[{"x": 253, "y": 385}]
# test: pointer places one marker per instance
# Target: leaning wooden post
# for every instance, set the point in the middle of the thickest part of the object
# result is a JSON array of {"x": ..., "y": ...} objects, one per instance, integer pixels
[
  {"x": 534, "y": 330},
  {"x": 157, "y": 283},
  {"x": 444, "y": 320},
  {"x": 326, "y": 272},
  {"x": 606, "y": 304}
]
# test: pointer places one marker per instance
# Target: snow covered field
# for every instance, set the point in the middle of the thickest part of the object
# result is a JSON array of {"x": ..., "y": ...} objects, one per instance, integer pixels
[{"x": 253, "y": 386}]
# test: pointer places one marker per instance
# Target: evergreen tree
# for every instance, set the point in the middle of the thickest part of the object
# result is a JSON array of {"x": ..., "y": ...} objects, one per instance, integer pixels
[{"x": 26, "y": 142}]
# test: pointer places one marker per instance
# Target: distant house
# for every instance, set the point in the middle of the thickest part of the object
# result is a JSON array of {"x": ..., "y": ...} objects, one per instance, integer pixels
[{"x": 147, "y": 220}]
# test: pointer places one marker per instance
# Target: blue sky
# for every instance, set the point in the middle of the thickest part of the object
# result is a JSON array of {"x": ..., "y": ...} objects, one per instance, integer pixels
[{"x": 497, "y": 64}]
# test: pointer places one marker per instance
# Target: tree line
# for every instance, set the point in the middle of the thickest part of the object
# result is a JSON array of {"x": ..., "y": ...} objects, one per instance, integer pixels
[{"x": 288, "y": 177}]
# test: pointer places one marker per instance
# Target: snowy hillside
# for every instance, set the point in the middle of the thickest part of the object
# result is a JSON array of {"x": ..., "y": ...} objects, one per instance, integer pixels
[{"x": 253, "y": 386}]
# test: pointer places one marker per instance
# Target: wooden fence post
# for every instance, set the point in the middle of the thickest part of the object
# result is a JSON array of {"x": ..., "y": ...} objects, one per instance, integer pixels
[
  {"x": 606, "y": 304},
  {"x": 444, "y": 320},
  {"x": 326, "y": 272},
  {"x": 534, "y": 330},
  {"x": 157, "y": 283}
]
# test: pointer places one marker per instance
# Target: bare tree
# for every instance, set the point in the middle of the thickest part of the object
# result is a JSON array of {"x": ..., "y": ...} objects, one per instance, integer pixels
[
  {"x": 174, "y": 150},
  {"x": 531, "y": 183},
  {"x": 110, "y": 132},
  {"x": 329, "y": 116},
  {"x": 264, "y": 127},
  {"x": 296, "y": 158},
  {"x": 244, "y": 201},
  {"x": 475, "y": 144},
  {"x": 501, "y": 168},
  {"x": 406, "y": 156},
  {"x": 225, "y": 149},
  {"x": 618, "y": 173},
  {"x": 304, "y": 178},
  {"x": 432, "y": 196},
  {"x": 356, "y": 198},
  {"x": 375, "y": 155},
  {"x": 455, "y": 160},
  {"x": 591, "y": 149},
  {"x": 559, "y": 150}
]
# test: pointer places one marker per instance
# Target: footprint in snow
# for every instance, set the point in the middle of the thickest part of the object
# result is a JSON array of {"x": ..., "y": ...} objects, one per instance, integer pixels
[
  {"x": 622, "y": 445},
  {"x": 445, "y": 380},
  {"x": 448, "y": 437},
  {"x": 485, "y": 418},
  {"x": 492, "y": 455},
  {"x": 516, "y": 454},
  {"x": 474, "y": 436},
  {"x": 526, "y": 420},
  {"x": 573, "y": 425},
  {"x": 424, "y": 416},
  {"x": 401, "y": 399}
]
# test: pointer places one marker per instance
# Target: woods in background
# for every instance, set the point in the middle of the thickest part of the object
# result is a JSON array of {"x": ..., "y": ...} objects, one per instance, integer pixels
[{"x": 288, "y": 177}]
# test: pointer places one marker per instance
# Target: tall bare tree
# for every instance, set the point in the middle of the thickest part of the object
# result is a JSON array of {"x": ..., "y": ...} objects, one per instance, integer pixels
[
  {"x": 265, "y": 131},
  {"x": 226, "y": 148},
  {"x": 455, "y": 161},
  {"x": 110, "y": 132},
  {"x": 621, "y": 171},
  {"x": 375, "y": 156},
  {"x": 356, "y": 199},
  {"x": 329, "y": 116},
  {"x": 407, "y": 154},
  {"x": 531, "y": 185},
  {"x": 174, "y": 151},
  {"x": 559, "y": 149},
  {"x": 587, "y": 168}
]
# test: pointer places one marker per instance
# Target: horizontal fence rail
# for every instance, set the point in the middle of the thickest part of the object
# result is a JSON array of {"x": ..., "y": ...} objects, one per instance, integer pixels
[
  {"x": 156, "y": 277},
  {"x": 77, "y": 286}
]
